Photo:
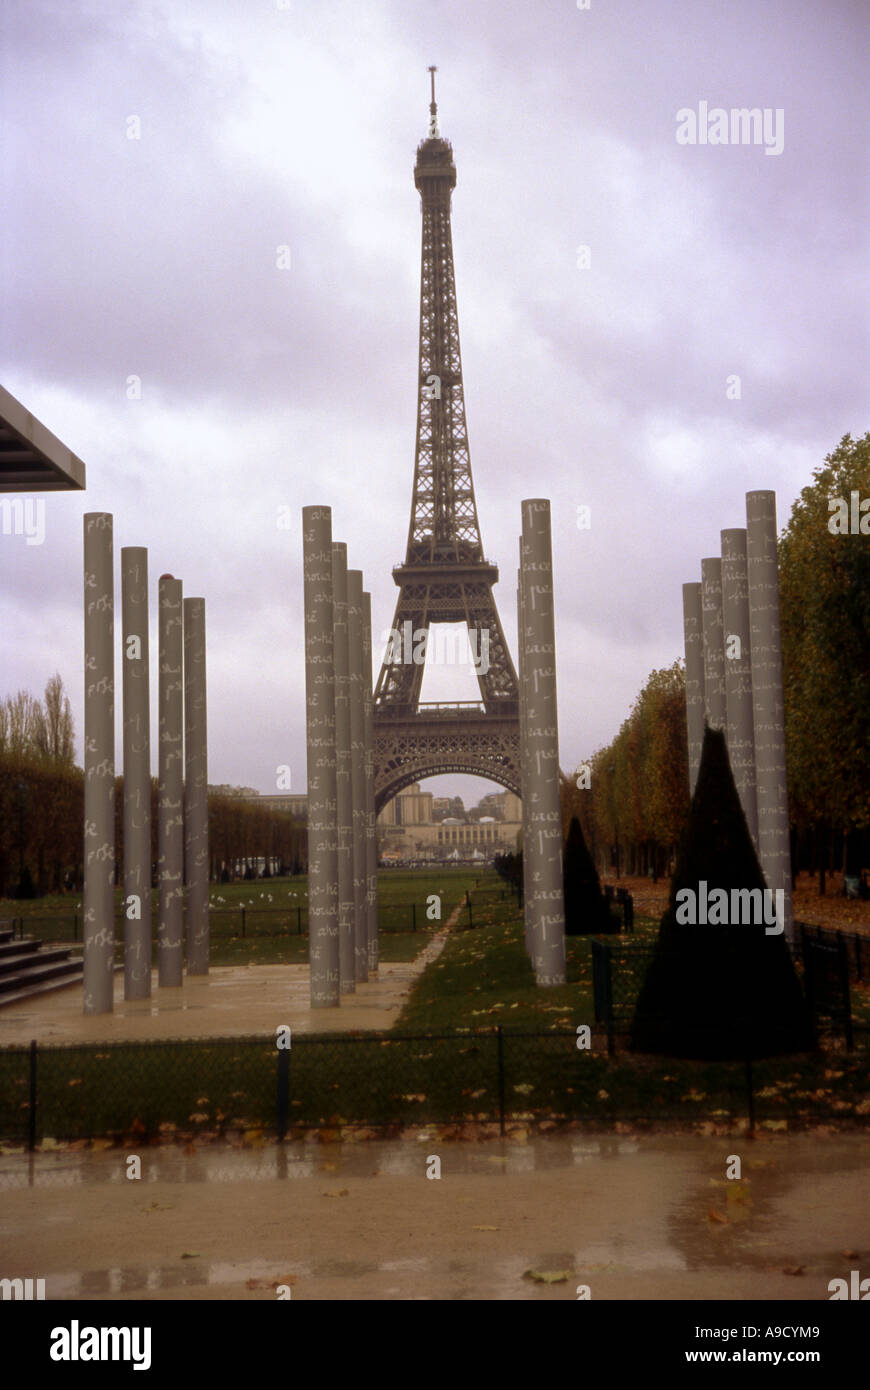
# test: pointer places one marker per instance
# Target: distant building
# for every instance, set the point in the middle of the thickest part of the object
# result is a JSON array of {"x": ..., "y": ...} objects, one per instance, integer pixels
[
  {"x": 294, "y": 803},
  {"x": 408, "y": 828}
]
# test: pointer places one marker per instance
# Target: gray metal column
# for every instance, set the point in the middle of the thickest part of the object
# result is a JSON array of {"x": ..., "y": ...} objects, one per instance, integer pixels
[
  {"x": 170, "y": 792},
  {"x": 693, "y": 632},
  {"x": 136, "y": 687},
  {"x": 544, "y": 846},
  {"x": 371, "y": 828},
  {"x": 357, "y": 774},
  {"x": 524, "y": 800},
  {"x": 320, "y": 728},
  {"x": 740, "y": 732},
  {"x": 767, "y": 699},
  {"x": 99, "y": 808},
  {"x": 195, "y": 787},
  {"x": 714, "y": 652},
  {"x": 344, "y": 791}
]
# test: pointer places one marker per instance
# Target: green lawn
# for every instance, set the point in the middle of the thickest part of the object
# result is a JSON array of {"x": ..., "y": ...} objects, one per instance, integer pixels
[
  {"x": 274, "y": 909},
  {"x": 483, "y": 977}
]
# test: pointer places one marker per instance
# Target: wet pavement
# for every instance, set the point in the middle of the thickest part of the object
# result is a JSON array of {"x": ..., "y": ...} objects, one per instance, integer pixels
[
  {"x": 231, "y": 1001},
  {"x": 629, "y": 1217}
]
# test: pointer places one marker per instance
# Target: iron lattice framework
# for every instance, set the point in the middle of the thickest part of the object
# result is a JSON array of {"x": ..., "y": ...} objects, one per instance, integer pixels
[{"x": 445, "y": 577}]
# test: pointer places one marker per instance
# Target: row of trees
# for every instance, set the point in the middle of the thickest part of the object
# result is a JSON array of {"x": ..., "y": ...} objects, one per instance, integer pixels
[
  {"x": 38, "y": 729},
  {"x": 42, "y": 819},
  {"x": 632, "y": 798},
  {"x": 42, "y": 809}
]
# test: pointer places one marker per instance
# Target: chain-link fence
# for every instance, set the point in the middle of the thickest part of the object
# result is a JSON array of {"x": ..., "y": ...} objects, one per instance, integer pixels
[{"x": 218, "y": 1086}]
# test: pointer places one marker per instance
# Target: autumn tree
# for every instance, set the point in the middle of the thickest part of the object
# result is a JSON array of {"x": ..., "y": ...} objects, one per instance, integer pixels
[{"x": 824, "y": 581}]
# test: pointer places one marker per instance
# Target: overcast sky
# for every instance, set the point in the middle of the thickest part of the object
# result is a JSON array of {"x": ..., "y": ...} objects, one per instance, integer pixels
[{"x": 295, "y": 124}]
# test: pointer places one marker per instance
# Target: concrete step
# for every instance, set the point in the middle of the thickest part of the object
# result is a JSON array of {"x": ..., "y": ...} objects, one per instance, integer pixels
[
  {"x": 36, "y": 974},
  {"x": 29, "y": 960},
  {"x": 13, "y": 948},
  {"x": 46, "y": 987}
]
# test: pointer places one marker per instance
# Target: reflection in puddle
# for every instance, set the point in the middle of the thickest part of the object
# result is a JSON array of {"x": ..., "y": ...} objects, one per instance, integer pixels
[
  {"x": 654, "y": 1207},
  {"x": 219, "y": 1163}
]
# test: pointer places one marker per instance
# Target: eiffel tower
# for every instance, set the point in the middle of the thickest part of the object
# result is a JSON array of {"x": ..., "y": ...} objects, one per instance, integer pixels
[{"x": 445, "y": 577}]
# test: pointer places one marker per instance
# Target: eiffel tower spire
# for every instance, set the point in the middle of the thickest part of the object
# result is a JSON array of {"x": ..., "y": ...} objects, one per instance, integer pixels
[{"x": 445, "y": 577}]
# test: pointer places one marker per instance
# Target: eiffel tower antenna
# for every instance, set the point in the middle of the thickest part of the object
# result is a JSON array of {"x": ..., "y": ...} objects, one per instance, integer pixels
[
  {"x": 445, "y": 577},
  {"x": 433, "y": 109}
]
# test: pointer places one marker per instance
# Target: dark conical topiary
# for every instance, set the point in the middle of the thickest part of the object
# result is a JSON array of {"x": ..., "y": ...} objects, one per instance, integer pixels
[
  {"x": 719, "y": 991},
  {"x": 586, "y": 908}
]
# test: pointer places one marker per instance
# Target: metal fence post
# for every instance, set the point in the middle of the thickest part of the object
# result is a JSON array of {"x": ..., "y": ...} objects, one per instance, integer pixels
[
  {"x": 847, "y": 997},
  {"x": 607, "y": 991},
  {"x": 283, "y": 1100},
  {"x": 31, "y": 1138},
  {"x": 749, "y": 1095},
  {"x": 243, "y": 921},
  {"x": 413, "y": 916},
  {"x": 500, "y": 1051},
  {"x": 857, "y": 939},
  {"x": 298, "y": 920}
]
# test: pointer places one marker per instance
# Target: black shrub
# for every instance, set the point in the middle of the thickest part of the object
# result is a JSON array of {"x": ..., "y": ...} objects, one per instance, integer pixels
[
  {"x": 720, "y": 991},
  {"x": 586, "y": 908}
]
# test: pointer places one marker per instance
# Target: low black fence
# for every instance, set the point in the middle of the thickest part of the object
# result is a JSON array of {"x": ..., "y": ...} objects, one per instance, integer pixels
[
  {"x": 619, "y": 970},
  {"x": 620, "y": 897},
  {"x": 854, "y": 947},
  {"x": 216, "y": 1087},
  {"x": 224, "y": 922}
]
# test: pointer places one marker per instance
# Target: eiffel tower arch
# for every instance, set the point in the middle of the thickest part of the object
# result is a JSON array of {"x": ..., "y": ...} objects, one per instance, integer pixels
[{"x": 445, "y": 577}]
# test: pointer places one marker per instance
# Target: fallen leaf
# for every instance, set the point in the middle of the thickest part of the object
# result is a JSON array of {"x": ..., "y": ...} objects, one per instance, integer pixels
[
  {"x": 713, "y": 1215},
  {"x": 484, "y": 1228},
  {"x": 549, "y": 1276},
  {"x": 190, "y": 1254},
  {"x": 793, "y": 1269}
]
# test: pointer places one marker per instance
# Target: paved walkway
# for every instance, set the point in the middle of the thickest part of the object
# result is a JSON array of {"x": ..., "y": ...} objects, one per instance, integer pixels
[{"x": 231, "y": 1001}]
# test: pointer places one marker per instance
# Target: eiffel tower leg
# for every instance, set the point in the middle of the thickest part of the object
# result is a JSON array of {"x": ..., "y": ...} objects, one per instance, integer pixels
[{"x": 544, "y": 847}]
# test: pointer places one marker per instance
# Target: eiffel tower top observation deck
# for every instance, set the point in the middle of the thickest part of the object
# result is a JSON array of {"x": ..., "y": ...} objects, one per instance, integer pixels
[{"x": 445, "y": 577}]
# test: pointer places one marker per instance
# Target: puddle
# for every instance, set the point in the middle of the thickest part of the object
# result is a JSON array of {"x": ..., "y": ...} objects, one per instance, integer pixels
[{"x": 614, "y": 1208}]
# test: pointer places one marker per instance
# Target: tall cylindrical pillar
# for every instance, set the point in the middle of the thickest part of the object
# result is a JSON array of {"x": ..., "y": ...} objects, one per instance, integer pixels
[
  {"x": 343, "y": 786},
  {"x": 544, "y": 846},
  {"x": 740, "y": 731},
  {"x": 693, "y": 633},
  {"x": 767, "y": 699},
  {"x": 99, "y": 808},
  {"x": 357, "y": 773},
  {"x": 371, "y": 828},
  {"x": 195, "y": 787},
  {"x": 170, "y": 791},
  {"x": 136, "y": 687},
  {"x": 714, "y": 651},
  {"x": 524, "y": 800},
  {"x": 320, "y": 730}
]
